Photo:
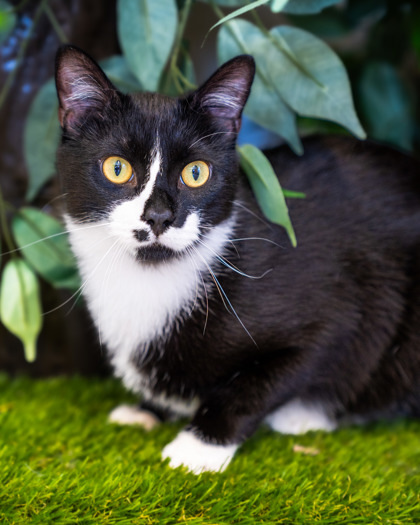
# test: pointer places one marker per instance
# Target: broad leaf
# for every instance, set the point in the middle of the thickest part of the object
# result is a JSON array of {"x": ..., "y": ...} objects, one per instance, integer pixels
[
  {"x": 386, "y": 105},
  {"x": 20, "y": 304},
  {"x": 43, "y": 242},
  {"x": 265, "y": 105},
  {"x": 266, "y": 187},
  {"x": 41, "y": 137},
  {"x": 119, "y": 74},
  {"x": 310, "y": 77},
  {"x": 301, "y": 7},
  {"x": 146, "y": 31}
]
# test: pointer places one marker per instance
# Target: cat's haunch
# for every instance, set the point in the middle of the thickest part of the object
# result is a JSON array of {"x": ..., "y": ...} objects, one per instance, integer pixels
[{"x": 204, "y": 307}]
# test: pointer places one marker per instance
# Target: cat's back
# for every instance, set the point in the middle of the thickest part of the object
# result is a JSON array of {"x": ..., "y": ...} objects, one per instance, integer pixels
[{"x": 351, "y": 187}]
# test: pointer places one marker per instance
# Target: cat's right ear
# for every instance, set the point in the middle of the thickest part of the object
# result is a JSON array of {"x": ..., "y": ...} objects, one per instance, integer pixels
[{"x": 82, "y": 86}]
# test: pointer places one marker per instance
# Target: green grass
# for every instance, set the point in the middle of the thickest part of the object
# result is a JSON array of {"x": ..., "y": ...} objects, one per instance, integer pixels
[{"x": 62, "y": 463}]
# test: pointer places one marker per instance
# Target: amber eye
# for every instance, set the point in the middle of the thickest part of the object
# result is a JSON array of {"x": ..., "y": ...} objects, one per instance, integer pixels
[
  {"x": 117, "y": 170},
  {"x": 195, "y": 174}
]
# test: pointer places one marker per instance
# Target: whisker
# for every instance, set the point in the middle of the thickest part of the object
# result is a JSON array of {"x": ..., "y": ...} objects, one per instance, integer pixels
[
  {"x": 211, "y": 135},
  {"x": 189, "y": 251},
  {"x": 257, "y": 239},
  {"x": 115, "y": 256},
  {"x": 48, "y": 204},
  {"x": 221, "y": 291},
  {"x": 237, "y": 203},
  {"x": 64, "y": 232},
  {"x": 228, "y": 264},
  {"x": 196, "y": 281},
  {"x": 82, "y": 286}
]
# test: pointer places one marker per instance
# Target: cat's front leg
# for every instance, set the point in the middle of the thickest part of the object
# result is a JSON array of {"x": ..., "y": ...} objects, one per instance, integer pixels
[
  {"x": 231, "y": 413},
  {"x": 145, "y": 415},
  {"x": 193, "y": 452}
]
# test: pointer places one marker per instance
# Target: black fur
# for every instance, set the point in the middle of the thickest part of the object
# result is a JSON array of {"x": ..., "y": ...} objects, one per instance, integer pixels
[{"x": 336, "y": 320}]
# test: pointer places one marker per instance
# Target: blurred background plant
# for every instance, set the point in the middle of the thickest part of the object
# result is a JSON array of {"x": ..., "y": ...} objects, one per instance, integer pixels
[{"x": 311, "y": 56}]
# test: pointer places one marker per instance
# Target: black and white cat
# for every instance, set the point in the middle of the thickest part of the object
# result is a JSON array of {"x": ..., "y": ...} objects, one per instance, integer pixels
[{"x": 204, "y": 307}]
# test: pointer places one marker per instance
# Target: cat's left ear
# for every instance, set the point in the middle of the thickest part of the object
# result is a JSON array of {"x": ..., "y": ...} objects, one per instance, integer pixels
[
  {"x": 224, "y": 95},
  {"x": 82, "y": 87}
]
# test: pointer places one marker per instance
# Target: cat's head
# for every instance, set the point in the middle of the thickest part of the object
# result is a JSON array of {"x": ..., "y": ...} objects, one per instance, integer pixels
[{"x": 161, "y": 171}]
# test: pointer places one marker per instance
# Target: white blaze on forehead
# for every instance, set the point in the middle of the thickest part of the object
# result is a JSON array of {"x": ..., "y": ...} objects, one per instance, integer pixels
[
  {"x": 126, "y": 216},
  {"x": 154, "y": 170}
]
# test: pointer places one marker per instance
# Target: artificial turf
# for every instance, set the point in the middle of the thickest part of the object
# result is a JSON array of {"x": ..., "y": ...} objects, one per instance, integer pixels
[{"x": 62, "y": 463}]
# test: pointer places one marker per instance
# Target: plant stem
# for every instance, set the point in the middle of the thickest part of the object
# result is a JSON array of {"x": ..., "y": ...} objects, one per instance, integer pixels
[
  {"x": 177, "y": 43},
  {"x": 54, "y": 22},
  {"x": 19, "y": 59},
  {"x": 4, "y": 226},
  {"x": 241, "y": 45}
]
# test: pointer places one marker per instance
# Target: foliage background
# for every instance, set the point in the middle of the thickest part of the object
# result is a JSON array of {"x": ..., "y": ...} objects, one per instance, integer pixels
[
  {"x": 82, "y": 470},
  {"x": 166, "y": 45}
]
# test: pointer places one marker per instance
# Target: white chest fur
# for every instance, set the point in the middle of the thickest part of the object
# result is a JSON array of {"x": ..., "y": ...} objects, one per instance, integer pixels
[{"x": 133, "y": 304}]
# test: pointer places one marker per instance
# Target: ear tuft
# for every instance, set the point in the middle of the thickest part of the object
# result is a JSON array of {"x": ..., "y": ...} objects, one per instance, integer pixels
[
  {"x": 225, "y": 94},
  {"x": 82, "y": 86}
]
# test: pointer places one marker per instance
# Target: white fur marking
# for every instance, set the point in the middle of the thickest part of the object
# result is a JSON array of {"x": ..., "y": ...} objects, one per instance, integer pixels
[
  {"x": 189, "y": 451},
  {"x": 126, "y": 216},
  {"x": 180, "y": 238},
  {"x": 132, "y": 415},
  {"x": 132, "y": 304},
  {"x": 296, "y": 417},
  {"x": 176, "y": 405}
]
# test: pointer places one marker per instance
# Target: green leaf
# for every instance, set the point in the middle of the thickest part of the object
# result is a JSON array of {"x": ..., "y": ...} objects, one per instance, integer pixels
[
  {"x": 265, "y": 104},
  {"x": 120, "y": 74},
  {"x": 227, "y": 3},
  {"x": 41, "y": 137},
  {"x": 20, "y": 304},
  {"x": 7, "y": 20},
  {"x": 146, "y": 31},
  {"x": 44, "y": 244},
  {"x": 266, "y": 187},
  {"x": 241, "y": 11},
  {"x": 290, "y": 194},
  {"x": 310, "y": 77},
  {"x": 386, "y": 106},
  {"x": 301, "y": 7}
]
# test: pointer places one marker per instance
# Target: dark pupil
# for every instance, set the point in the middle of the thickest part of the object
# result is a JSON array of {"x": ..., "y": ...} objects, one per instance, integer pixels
[
  {"x": 117, "y": 167},
  {"x": 195, "y": 172}
]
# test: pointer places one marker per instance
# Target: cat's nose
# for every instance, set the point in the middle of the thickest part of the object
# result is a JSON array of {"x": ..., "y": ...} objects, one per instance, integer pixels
[{"x": 159, "y": 220}]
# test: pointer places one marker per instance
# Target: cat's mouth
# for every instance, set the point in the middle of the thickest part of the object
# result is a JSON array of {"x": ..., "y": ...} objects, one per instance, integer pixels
[
  {"x": 155, "y": 253},
  {"x": 171, "y": 243},
  {"x": 155, "y": 249}
]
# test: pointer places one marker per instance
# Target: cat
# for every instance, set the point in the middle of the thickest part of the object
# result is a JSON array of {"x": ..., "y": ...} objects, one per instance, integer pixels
[{"x": 205, "y": 308}]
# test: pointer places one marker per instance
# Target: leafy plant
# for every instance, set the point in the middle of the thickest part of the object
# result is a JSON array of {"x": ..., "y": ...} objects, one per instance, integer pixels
[{"x": 298, "y": 75}]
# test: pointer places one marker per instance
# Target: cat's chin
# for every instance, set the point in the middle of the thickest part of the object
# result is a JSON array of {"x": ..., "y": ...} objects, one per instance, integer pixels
[{"x": 156, "y": 254}]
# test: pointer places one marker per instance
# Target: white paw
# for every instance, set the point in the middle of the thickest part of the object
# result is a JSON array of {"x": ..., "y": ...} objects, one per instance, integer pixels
[
  {"x": 197, "y": 456},
  {"x": 132, "y": 415},
  {"x": 297, "y": 418}
]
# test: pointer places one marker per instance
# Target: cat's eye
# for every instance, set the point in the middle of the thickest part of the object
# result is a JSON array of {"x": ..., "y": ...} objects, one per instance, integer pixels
[
  {"x": 117, "y": 170},
  {"x": 195, "y": 174}
]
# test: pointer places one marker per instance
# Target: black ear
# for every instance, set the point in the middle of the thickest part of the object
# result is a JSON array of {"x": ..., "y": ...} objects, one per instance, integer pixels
[
  {"x": 224, "y": 95},
  {"x": 82, "y": 86}
]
